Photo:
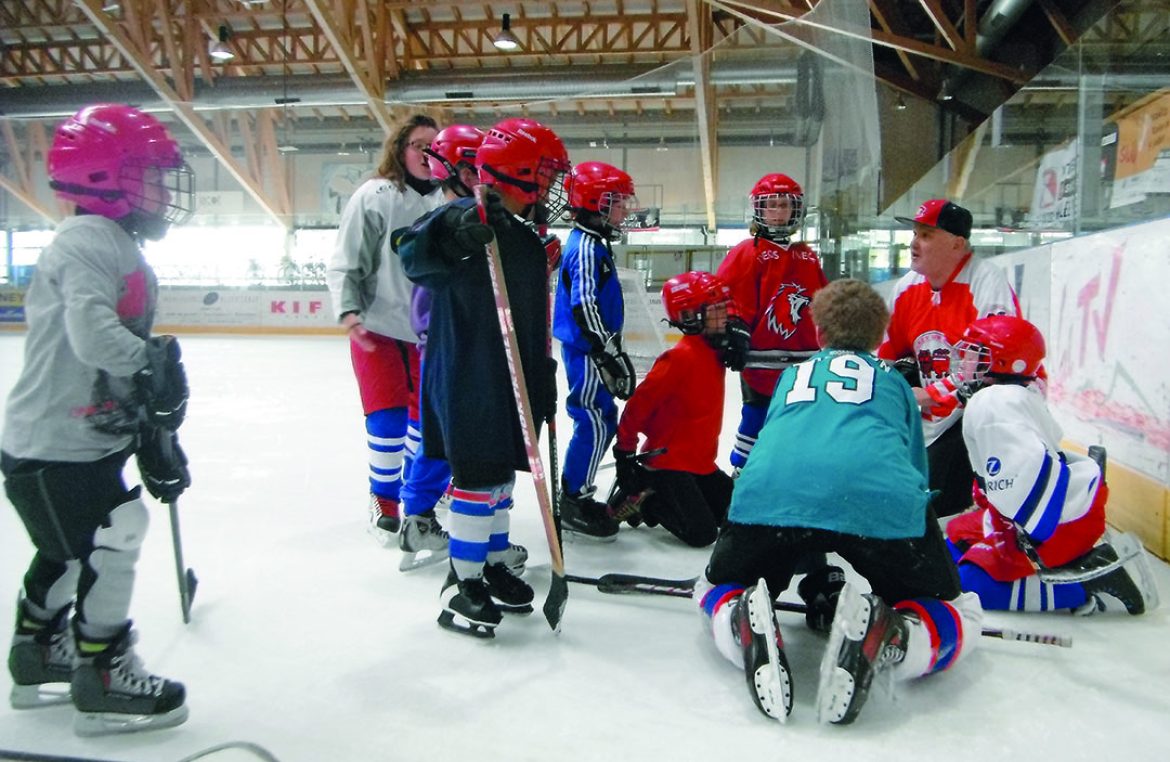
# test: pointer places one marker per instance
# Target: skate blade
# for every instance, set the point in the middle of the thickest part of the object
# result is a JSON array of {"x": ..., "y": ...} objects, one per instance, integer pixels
[
  {"x": 421, "y": 558},
  {"x": 463, "y": 626},
  {"x": 382, "y": 537},
  {"x": 523, "y": 610},
  {"x": 1130, "y": 548},
  {"x": 771, "y": 680},
  {"x": 573, "y": 534},
  {"x": 835, "y": 687},
  {"x": 88, "y": 724},
  {"x": 37, "y": 696}
]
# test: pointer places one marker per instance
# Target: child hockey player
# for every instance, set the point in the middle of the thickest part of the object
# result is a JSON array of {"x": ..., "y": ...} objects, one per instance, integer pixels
[
  {"x": 371, "y": 296},
  {"x": 588, "y": 320},
  {"x": 95, "y": 387},
  {"x": 469, "y": 414},
  {"x": 1032, "y": 493},
  {"x": 423, "y": 540},
  {"x": 772, "y": 282},
  {"x": 840, "y": 466},
  {"x": 679, "y": 408}
]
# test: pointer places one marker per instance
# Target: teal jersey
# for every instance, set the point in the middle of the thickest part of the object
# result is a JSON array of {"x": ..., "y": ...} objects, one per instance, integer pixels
[{"x": 841, "y": 449}]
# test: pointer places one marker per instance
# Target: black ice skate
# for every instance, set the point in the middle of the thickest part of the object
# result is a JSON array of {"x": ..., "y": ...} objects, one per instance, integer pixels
[
  {"x": 468, "y": 607},
  {"x": 511, "y": 594},
  {"x": 754, "y": 625},
  {"x": 1130, "y": 588},
  {"x": 423, "y": 541},
  {"x": 113, "y": 693},
  {"x": 867, "y": 636},
  {"x": 384, "y": 520},
  {"x": 585, "y": 517},
  {"x": 40, "y": 659}
]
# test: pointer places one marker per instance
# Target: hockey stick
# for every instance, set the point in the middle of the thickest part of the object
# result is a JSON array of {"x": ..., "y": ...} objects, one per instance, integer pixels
[
  {"x": 641, "y": 457},
  {"x": 558, "y": 592},
  {"x": 776, "y": 359},
  {"x": 187, "y": 580},
  {"x": 623, "y": 584}
]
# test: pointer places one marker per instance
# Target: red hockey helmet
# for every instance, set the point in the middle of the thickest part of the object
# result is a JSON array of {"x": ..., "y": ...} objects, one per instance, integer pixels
[
  {"x": 114, "y": 160},
  {"x": 525, "y": 161},
  {"x": 452, "y": 146},
  {"x": 687, "y": 297},
  {"x": 769, "y": 194},
  {"x": 1000, "y": 345},
  {"x": 600, "y": 188}
]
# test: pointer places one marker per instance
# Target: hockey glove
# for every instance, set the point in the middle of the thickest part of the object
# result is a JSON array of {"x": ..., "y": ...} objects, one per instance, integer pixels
[
  {"x": 820, "y": 590},
  {"x": 631, "y": 475},
  {"x": 162, "y": 384},
  {"x": 467, "y": 234},
  {"x": 552, "y": 250},
  {"x": 908, "y": 368},
  {"x": 496, "y": 213},
  {"x": 946, "y": 394},
  {"x": 615, "y": 367},
  {"x": 162, "y": 463},
  {"x": 736, "y": 341}
]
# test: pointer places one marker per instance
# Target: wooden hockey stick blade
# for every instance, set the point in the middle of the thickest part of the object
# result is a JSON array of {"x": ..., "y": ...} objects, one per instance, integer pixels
[
  {"x": 558, "y": 593},
  {"x": 624, "y": 584}
]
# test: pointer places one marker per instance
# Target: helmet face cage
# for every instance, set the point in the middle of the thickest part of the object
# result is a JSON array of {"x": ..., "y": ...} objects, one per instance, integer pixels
[
  {"x": 763, "y": 203},
  {"x": 164, "y": 193},
  {"x": 552, "y": 198},
  {"x": 974, "y": 361},
  {"x": 601, "y": 189},
  {"x": 627, "y": 204}
]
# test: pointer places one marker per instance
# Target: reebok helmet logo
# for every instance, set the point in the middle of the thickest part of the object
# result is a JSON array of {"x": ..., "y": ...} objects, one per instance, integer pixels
[{"x": 785, "y": 310}]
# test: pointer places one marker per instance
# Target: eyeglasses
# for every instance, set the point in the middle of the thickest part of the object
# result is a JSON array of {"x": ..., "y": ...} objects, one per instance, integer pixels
[{"x": 419, "y": 145}]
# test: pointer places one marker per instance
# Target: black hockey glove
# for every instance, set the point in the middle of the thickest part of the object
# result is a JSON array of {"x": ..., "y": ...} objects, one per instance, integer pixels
[
  {"x": 162, "y": 463},
  {"x": 162, "y": 384},
  {"x": 465, "y": 231},
  {"x": 819, "y": 590},
  {"x": 736, "y": 341},
  {"x": 631, "y": 474},
  {"x": 908, "y": 368},
  {"x": 497, "y": 214},
  {"x": 617, "y": 372}
]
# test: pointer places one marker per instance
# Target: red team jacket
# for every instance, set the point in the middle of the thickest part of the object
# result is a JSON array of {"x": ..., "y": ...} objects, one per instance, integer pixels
[
  {"x": 679, "y": 406},
  {"x": 772, "y": 286},
  {"x": 926, "y": 324}
]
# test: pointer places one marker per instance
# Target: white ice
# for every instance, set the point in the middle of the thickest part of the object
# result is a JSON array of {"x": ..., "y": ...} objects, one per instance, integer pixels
[{"x": 307, "y": 640}]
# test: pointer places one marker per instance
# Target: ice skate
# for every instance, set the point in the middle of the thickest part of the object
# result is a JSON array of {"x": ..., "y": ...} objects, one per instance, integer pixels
[
  {"x": 511, "y": 594},
  {"x": 423, "y": 542},
  {"x": 765, "y": 665},
  {"x": 1131, "y": 588},
  {"x": 468, "y": 607},
  {"x": 113, "y": 693},
  {"x": 583, "y": 516},
  {"x": 384, "y": 520},
  {"x": 40, "y": 659},
  {"x": 626, "y": 507},
  {"x": 516, "y": 559},
  {"x": 867, "y": 636}
]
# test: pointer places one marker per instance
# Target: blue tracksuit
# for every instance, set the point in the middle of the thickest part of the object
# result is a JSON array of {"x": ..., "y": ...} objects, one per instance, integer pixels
[{"x": 589, "y": 310}]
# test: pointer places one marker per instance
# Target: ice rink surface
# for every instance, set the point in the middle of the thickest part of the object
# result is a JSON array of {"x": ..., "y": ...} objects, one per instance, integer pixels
[{"x": 307, "y": 640}]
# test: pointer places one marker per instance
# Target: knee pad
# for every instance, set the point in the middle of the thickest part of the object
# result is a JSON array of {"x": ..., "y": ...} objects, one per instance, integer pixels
[{"x": 103, "y": 599}]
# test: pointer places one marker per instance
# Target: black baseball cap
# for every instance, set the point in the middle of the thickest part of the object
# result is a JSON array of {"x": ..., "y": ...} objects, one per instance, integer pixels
[{"x": 944, "y": 215}]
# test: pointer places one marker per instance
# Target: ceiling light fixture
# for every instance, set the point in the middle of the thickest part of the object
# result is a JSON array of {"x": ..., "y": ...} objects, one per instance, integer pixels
[
  {"x": 504, "y": 39},
  {"x": 900, "y": 104},
  {"x": 661, "y": 144},
  {"x": 944, "y": 92},
  {"x": 218, "y": 50}
]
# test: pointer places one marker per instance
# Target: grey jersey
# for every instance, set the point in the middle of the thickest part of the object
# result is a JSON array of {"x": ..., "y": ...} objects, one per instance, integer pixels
[
  {"x": 89, "y": 310},
  {"x": 364, "y": 274}
]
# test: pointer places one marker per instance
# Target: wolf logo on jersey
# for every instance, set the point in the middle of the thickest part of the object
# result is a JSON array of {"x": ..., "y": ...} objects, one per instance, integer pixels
[{"x": 793, "y": 297}]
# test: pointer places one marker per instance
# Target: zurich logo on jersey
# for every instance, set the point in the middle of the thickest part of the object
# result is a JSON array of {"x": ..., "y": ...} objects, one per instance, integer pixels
[{"x": 993, "y": 466}]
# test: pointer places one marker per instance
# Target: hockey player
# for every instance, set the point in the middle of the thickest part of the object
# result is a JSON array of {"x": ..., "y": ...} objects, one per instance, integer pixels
[
  {"x": 772, "y": 282},
  {"x": 588, "y": 319},
  {"x": 96, "y": 387},
  {"x": 423, "y": 540},
  {"x": 371, "y": 297},
  {"x": 679, "y": 408},
  {"x": 469, "y": 413},
  {"x": 930, "y": 308},
  {"x": 1028, "y": 489},
  {"x": 840, "y": 467}
]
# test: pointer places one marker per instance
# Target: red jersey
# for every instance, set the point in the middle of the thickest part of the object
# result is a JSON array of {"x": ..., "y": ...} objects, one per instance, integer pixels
[
  {"x": 772, "y": 285},
  {"x": 679, "y": 406},
  {"x": 926, "y": 324}
]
